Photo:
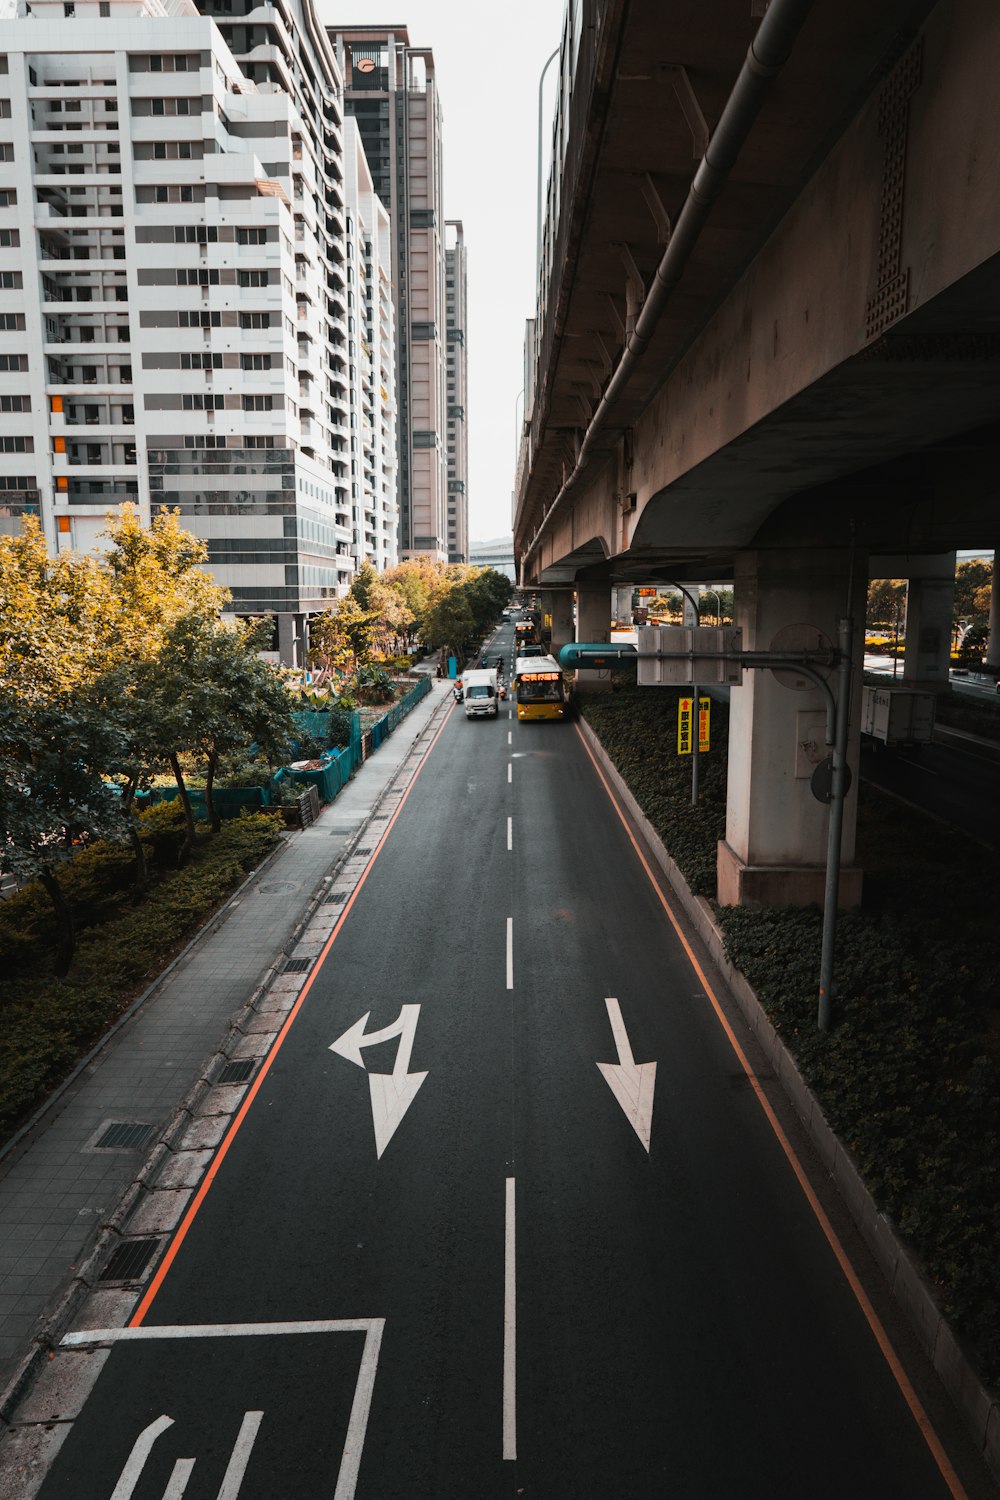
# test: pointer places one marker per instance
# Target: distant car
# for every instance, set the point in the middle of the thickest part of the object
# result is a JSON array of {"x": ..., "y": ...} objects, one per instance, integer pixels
[{"x": 531, "y": 651}]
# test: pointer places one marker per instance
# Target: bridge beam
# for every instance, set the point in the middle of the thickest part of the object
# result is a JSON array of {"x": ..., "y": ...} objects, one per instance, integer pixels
[{"x": 774, "y": 852}]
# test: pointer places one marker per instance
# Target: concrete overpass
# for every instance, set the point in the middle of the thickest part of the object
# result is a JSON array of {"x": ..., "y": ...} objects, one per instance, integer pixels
[{"x": 767, "y": 344}]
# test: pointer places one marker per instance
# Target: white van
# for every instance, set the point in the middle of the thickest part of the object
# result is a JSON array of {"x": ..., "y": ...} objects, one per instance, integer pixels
[{"x": 481, "y": 693}]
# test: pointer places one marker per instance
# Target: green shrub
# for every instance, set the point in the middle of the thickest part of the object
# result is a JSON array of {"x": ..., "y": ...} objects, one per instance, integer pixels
[
  {"x": 161, "y": 827},
  {"x": 49, "y": 1023}
]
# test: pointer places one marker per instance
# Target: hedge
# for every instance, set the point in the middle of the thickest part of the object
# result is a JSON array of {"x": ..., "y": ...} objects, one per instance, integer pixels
[{"x": 47, "y": 1024}]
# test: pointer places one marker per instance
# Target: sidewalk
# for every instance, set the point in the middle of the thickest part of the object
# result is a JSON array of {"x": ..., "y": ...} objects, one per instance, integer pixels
[{"x": 58, "y": 1186}]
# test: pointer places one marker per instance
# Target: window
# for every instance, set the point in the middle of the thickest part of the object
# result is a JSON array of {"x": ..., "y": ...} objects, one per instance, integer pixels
[
  {"x": 69, "y": 9},
  {"x": 203, "y": 403},
  {"x": 104, "y": 9},
  {"x": 12, "y": 322},
  {"x": 13, "y": 361},
  {"x": 255, "y": 361},
  {"x": 201, "y": 361},
  {"x": 255, "y": 320},
  {"x": 10, "y": 280},
  {"x": 257, "y": 403},
  {"x": 251, "y": 236},
  {"x": 17, "y": 445},
  {"x": 15, "y": 403},
  {"x": 252, "y": 278}
]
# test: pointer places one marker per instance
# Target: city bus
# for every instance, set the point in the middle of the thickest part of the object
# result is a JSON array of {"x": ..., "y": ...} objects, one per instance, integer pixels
[{"x": 540, "y": 688}]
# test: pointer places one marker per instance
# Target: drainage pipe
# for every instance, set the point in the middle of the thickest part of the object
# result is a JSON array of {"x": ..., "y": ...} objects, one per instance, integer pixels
[{"x": 768, "y": 53}]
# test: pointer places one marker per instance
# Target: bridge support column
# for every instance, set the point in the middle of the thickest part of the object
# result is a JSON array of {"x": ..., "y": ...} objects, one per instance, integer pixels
[
  {"x": 557, "y": 604},
  {"x": 623, "y": 604},
  {"x": 593, "y": 623},
  {"x": 930, "y": 606},
  {"x": 774, "y": 852},
  {"x": 993, "y": 649}
]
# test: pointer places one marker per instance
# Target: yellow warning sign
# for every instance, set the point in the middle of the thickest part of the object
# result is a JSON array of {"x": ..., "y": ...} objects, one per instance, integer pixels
[{"x": 685, "y": 713}]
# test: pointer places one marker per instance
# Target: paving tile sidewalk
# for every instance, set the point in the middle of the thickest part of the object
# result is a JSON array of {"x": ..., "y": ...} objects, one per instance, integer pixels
[{"x": 56, "y": 1189}]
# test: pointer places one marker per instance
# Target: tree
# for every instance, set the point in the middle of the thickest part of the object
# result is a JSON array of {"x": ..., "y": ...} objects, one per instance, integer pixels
[
  {"x": 449, "y": 620},
  {"x": 342, "y": 638},
  {"x": 886, "y": 602},
  {"x": 211, "y": 695},
  {"x": 52, "y": 792},
  {"x": 392, "y": 614},
  {"x": 416, "y": 581},
  {"x": 157, "y": 578},
  {"x": 973, "y": 588},
  {"x": 57, "y": 617}
]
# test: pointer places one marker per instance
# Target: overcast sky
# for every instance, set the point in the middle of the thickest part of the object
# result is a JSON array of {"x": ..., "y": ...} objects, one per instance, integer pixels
[{"x": 488, "y": 61}]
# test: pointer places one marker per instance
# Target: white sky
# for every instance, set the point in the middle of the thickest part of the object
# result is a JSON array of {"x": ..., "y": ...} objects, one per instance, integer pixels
[{"x": 488, "y": 60}]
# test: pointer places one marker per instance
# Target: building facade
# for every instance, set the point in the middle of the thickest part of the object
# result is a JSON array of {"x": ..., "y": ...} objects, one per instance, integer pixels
[
  {"x": 372, "y": 368},
  {"x": 390, "y": 91},
  {"x": 457, "y": 393},
  {"x": 173, "y": 287}
]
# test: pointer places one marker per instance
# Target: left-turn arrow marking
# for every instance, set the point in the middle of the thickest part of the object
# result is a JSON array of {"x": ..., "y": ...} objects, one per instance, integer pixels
[{"x": 391, "y": 1093}]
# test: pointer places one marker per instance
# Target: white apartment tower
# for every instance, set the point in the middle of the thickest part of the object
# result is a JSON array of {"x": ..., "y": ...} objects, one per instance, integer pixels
[
  {"x": 390, "y": 90},
  {"x": 173, "y": 287},
  {"x": 457, "y": 392},
  {"x": 372, "y": 373}
]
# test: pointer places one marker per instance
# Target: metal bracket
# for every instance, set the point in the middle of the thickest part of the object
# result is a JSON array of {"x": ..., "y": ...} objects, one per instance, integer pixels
[
  {"x": 690, "y": 107},
  {"x": 616, "y": 314},
  {"x": 608, "y": 362},
  {"x": 654, "y": 202}
]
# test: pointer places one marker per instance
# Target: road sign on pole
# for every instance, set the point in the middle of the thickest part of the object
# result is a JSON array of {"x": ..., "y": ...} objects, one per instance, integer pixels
[{"x": 685, "y": 714}]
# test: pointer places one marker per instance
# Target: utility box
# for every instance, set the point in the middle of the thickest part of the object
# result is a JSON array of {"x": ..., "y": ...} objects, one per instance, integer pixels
[
  {"x": 689, "y": 655},
  {"x": 897, "y": 716}
]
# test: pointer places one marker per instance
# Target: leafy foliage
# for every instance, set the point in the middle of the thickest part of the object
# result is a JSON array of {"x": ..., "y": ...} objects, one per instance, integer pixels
[{"x": 47, "y": 1022}]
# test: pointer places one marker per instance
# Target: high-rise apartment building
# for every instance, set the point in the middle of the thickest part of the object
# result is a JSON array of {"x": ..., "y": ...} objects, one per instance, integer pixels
[
  {"x": 457, "y": 394},
  {"x": 390, "y": 90},
  {"x": 372, "y": 370},
  {"x": 174, "y": 288}
]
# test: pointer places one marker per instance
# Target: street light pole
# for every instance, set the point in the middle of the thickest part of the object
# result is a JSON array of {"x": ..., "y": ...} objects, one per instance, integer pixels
[{"x": 538, "y": 218}]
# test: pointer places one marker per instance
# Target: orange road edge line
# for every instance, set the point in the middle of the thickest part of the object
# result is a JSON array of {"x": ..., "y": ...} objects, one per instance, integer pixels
[
  {"x": 180, "y": 1232},
  {"x": 907, "y": 1390}
]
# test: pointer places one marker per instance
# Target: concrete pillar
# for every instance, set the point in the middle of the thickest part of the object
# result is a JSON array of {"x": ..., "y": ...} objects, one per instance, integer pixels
[
  {"x": 623, "y": 603},
  {"x": 690, "y": 615},
  {"x": 593, "y": 623},
  {"x": 290, "y": 640},
  {"x": 930, "y": 607},
  {"x": 557, "y": 606},
  {"x": 774, "y": 852},
  {"x": 993, "y": 649}
]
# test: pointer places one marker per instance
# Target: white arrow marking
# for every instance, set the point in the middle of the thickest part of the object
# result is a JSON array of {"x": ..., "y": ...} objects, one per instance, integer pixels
[
  {"x": 391, "y": 1093},
  {"x": 631, "y": 1083}
]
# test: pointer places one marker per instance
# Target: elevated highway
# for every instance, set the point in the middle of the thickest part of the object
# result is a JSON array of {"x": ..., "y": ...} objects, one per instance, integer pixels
[{"x": 766, "y": 344}]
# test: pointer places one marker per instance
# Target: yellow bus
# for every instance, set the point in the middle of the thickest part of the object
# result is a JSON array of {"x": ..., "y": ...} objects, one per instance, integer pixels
[{"x": 540, "y": 688}]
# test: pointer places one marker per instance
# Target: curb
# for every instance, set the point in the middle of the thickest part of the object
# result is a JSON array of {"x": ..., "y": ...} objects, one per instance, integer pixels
[{"x": 907, "y": 1283}]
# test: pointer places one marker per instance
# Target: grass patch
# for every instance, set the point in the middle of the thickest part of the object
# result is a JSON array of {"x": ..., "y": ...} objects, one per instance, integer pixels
[
  {"x": 910, "y": 1076},
  {"x": 124, "y": 940}
]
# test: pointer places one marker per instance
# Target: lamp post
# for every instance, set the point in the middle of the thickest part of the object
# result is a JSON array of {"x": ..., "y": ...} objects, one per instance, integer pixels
[
  {"x": 538, "y": 218},
  {"x": 718, "y": 604}
]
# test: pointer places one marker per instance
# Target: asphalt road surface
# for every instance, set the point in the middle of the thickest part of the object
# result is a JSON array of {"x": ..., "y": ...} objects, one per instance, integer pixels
[{"x": 550, "y": 1245}]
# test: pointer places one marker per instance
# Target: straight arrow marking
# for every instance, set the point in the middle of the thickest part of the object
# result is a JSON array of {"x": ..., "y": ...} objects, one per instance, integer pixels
[{"x": 631, "y": 1083}]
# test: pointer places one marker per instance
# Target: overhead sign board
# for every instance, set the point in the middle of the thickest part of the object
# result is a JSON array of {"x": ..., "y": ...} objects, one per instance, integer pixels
[{"x": 679, "y": 655}]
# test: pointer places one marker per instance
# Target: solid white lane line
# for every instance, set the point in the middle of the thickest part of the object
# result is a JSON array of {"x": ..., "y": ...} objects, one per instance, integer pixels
[
  {"x": 509, "y": 1330},
  {"x": 510, "y": 953},
  {"x": 510, "y": 769},
  {"x": 510, "y": 833},
  {"x": 237, "y": 1466}
]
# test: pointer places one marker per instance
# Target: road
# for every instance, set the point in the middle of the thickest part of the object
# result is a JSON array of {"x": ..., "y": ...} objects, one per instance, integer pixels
[{"x": 552, "y": 1245}]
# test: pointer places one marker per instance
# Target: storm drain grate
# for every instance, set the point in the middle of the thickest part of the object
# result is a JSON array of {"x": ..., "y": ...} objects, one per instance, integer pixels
[
  {"x": 129, "y": 1260},
  {"x": 381, "y": 818},
  {"x": 336, "y": 898},
  {"x": 296, "y": 965},
  {"x": 239, "y": 1071},
  {"x": 125, "y": 1137},
  {"x": 366, "y": 850}
]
